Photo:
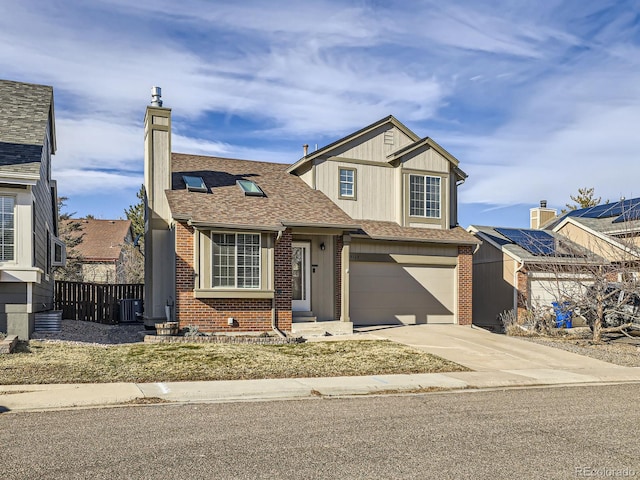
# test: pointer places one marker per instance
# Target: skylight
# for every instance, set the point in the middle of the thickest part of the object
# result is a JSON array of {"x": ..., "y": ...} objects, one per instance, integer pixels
[
  {"x": 250, "y": 188},
  {"x": 194, "y": 184}
]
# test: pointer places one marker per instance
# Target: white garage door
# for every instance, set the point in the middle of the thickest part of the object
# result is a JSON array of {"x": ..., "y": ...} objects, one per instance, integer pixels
[
  {"x": 544, "y": 291},
  {"x": 390, "y": 293}
]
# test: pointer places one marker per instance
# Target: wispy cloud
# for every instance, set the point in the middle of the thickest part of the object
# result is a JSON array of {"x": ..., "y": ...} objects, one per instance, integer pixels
[{"x": 535, "y": 99}]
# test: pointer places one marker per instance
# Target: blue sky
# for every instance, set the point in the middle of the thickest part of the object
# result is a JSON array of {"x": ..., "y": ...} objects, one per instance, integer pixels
[{"x": 535, "y": 99}]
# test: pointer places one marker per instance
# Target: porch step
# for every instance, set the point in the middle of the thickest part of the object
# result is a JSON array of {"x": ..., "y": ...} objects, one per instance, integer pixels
[
  {"x": 304, "y": 317},
  {"x": 320, "y": 329}
]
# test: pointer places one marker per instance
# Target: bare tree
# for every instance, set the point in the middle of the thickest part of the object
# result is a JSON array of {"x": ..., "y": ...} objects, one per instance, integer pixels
[
  {"x": 597, "y": 279},
  {"x": 131, "y": 265}
]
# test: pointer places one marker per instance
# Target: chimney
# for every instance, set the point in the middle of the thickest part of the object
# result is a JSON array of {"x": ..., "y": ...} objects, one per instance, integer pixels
[
  {"x": 157, "y": 155},
  {"x": 305, "y": 149},
  {"x": 156, "y": 97},
  {"x": 159, "y": 266},
  {"x": 539, "y": 216}
]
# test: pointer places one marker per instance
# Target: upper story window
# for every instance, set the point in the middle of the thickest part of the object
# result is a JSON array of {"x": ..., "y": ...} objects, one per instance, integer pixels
[
  {"x": 236, "y": 260},
  {"x": 347, "y": 183},
  {"x": 7, "y": 228},
  {"x": 424, "y": 196}
]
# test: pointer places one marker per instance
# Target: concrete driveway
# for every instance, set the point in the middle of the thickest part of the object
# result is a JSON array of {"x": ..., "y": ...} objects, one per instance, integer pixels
[{"x": 483, "y": 351}]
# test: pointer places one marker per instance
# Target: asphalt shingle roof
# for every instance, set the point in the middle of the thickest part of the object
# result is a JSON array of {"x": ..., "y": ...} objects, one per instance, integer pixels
[
  {"x": 392, "y": 231},
  {"x": 24, "y": 113},
  {"x": 288, "y": 199},
  {"x": 102, "y": 240}
]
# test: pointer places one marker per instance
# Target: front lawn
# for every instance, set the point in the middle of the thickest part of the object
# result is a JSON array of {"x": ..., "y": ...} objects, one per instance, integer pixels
[{"x": 49, "y": 362}]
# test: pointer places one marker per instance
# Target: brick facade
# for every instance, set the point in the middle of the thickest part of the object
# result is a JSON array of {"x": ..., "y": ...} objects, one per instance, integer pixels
[
  {"x": 465, "y": 285},
  {"x": 523, "y": 293},
  {"x": 211, "y": 314}
]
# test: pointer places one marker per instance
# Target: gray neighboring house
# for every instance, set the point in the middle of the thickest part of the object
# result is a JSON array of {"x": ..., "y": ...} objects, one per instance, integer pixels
[{"x": 29, "y": 244}]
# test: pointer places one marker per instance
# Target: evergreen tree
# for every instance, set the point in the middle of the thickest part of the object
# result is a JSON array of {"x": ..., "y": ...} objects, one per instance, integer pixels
[
  {"x": 585, "y": 198},
  {"x": 135, "y": 213},
  {"x": 69, "y": 231}
]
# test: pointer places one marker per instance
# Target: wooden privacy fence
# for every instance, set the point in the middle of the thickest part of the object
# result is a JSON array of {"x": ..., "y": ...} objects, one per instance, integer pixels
[{"x": 94, "y": 302}]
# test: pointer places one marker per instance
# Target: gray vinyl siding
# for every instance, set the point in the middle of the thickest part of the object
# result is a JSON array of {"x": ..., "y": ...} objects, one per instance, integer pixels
[{"x": 45, "y": 221}]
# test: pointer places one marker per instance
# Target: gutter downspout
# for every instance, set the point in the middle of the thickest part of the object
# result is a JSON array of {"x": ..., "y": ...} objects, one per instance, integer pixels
[
  {"x": 515, "y": 287},
  {"x": 274, "y": 327}
]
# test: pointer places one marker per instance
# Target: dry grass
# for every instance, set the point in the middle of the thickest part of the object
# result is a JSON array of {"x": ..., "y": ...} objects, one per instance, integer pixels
[{"x": 47, "y": 362}]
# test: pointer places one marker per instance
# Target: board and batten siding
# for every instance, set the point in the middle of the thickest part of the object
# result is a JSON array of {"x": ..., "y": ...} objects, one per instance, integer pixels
[
  {"x": 429, "y": 160},
  {"x": 375, "y": 193},
  {"x": 402, "y": 248},
  {"x": 375, "y": 145}
]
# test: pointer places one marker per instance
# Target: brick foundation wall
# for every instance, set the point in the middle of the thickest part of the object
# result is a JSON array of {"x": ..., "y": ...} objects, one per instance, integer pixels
[
  {"x": 211, "y": 314},
  {"x": 465, "y": 285}
]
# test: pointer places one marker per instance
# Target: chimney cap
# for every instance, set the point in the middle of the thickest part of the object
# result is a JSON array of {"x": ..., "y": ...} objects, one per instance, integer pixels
[{"x": 156, "y": 96}]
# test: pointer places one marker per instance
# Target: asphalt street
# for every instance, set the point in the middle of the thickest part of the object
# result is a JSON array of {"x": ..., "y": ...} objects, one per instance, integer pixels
[{"x": 558, "y": 432}]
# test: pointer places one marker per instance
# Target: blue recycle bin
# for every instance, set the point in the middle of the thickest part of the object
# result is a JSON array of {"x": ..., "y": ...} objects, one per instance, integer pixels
[{"x": 563, "y": 314}]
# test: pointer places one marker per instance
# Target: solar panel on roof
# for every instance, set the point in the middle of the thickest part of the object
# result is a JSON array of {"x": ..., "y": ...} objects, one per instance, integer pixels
[
  {"x": 536, "y": 242},
  {"x": 593, "y": 212},
  {"x": 632, "y": 213},
  {"x": 621, "y": 208}
]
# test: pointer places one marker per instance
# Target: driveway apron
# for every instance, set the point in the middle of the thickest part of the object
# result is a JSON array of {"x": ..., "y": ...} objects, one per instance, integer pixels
[{"x": 483, "y": 351}]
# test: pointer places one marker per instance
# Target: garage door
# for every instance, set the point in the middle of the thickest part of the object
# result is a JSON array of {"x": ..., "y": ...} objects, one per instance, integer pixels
[
  {"x": 390, "y": 293},
  {"x": 545, "y": 290}
]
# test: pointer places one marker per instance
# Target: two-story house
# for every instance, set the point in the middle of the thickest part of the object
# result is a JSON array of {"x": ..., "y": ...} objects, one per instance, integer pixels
[
  {"x": 362, "y": 231},
  {"x": 29, "y": 246}
]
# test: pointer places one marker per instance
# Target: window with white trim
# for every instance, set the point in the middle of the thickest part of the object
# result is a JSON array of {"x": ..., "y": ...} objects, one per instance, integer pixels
[
  {"x": 424, "y": 196},
  {"x": 236, "y": 260},
  {"x": 347, "y": 183},
  {"x": 7, "y": 228}
]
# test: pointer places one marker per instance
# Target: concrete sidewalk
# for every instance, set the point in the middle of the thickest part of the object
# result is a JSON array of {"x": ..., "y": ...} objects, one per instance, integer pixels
[{"x": 498, "y": 361}]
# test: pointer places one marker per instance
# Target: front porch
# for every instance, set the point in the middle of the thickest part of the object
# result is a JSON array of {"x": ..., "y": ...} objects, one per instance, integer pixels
[{"x": 319, "y": 272}]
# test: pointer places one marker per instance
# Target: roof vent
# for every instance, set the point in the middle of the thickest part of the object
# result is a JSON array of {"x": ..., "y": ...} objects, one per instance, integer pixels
[{"x": 156, "y": 94}]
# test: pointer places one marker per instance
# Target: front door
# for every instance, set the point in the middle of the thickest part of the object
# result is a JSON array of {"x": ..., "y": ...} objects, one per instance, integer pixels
[{"x": 300, "y": 277}]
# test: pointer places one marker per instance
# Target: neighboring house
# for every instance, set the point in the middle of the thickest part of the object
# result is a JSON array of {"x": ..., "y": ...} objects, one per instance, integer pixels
[
  {"x": 610, "y": 230},
  {"x": 527, "y": 268},
  {"x": 29, "y": 246},
  {"x": 522, "y": 269},
  {"x": 363, "y": 231},
  {"x": 104, "y": 250}
]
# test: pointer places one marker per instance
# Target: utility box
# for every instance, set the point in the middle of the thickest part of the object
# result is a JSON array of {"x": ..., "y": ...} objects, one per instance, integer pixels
[{"x": 130, "y": 310}]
